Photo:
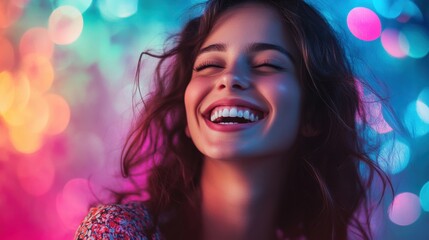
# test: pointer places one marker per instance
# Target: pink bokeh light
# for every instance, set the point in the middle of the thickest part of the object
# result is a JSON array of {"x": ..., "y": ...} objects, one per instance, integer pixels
[
  {"x": 36, "y": 40},
  {"x": 72, "y": 203},
  {"x": 391, "y": 41},
  {"x": 405, "y": 209},
  {"x": 65, "y": 25},
  {"x": 364, "y": 24},
  {"x": 36, "y": 175}
]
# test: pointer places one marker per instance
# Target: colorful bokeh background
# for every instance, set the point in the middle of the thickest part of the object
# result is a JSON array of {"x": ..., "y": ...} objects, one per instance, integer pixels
[{"x": 66, "y": 81}]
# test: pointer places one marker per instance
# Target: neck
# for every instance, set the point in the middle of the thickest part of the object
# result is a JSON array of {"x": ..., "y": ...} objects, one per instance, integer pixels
[{"x": 240, "y": 198}]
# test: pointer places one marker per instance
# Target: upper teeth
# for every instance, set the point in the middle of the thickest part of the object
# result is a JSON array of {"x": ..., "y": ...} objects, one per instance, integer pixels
[{"x": 241, "y": 112}]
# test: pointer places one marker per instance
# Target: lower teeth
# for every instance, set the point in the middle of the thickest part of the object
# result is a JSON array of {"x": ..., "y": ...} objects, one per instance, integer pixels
[{"x": 228, "y": 123}]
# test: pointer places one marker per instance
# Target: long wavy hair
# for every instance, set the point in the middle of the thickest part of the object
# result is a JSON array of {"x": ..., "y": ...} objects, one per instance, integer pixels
[{"x": 325, "y": 193}]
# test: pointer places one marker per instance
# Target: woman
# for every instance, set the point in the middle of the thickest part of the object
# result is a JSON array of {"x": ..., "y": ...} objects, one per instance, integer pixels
[{"x": 250, "y": 132}]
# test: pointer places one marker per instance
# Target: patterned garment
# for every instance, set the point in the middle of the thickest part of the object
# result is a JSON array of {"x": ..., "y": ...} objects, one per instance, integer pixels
[{"x": 117, "y": 221}]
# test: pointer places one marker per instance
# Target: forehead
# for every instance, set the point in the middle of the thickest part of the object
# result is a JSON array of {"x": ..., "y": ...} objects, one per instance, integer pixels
[{"x": 249, "y": 23}]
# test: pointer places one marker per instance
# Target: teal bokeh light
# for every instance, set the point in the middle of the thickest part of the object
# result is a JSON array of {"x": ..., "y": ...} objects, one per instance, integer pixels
[
  {"x": 81, "y": 5},
  {"x": 423, "y": 105},
  {"x": 115, "y": 10},
  {"x": 389, "y": 8},
  {"x": 424, "y": 197},
  {"x": 417, "y": 40},
  {"x": 394, "y": 156}
]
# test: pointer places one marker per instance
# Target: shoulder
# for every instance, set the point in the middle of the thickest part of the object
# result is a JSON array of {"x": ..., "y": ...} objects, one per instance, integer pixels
[{"x": 118, "y": 221}]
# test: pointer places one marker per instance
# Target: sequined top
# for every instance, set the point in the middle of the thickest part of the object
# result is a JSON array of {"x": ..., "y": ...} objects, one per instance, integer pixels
[{"x": 118, "y": 221}]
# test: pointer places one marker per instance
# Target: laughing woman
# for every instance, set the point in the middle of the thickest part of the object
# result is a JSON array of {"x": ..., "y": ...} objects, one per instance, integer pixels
[{"x": 251, "y": 133}]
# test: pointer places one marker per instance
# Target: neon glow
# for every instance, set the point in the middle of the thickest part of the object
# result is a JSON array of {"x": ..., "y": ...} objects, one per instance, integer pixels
[{"x": 364, "y": 24}]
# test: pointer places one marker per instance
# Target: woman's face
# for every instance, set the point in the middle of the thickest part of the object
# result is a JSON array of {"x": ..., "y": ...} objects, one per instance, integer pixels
[{"x": 244, "y": 99}]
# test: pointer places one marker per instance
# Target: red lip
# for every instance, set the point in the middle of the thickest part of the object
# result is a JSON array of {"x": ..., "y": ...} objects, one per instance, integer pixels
[{"x": 233, "y": 102}]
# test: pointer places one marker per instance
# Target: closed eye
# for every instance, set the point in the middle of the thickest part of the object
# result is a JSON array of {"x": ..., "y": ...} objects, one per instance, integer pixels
[
  {"x": 268, "y": 67},
  {"x": 206, "y": 65}
]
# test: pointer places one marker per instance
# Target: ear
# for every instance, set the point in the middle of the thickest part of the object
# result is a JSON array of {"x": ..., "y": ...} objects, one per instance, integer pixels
[{"x": 187, "y": 131}]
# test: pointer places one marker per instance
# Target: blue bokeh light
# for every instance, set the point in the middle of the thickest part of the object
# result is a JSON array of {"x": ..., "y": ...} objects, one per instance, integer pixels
[
  {"x": 424, "y": 197},
  {"x": 394, "y": 156},
  {"x": 415, "y": 125}
]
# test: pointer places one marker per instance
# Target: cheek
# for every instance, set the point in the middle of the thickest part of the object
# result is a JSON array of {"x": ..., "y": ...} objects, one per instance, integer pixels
[
  {"x": 284, "y": 96},
  {"x": 194, "y": 95}
]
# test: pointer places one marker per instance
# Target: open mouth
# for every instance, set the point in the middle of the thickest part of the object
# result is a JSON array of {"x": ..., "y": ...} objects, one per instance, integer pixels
[{"x": 235, "y": 115}]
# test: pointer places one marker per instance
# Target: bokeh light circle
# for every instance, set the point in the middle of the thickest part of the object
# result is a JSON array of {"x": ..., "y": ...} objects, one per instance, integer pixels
[
  {"x": 423, "y": 105},
  {"x": 389, "y": 8},
  {"x": 25, "y": 141},
  {"x": 73, "y": 202},
  {"x": 39, "y": 71},
  {"x": 36, "y": 113},
  {"x": 10, "y": 12},
  {"x": 7, "y": 59},
  {"x": 390, "y": 39},
  {"x": 394, "y": 156},
  {"x": 410, "y": 11},
  {"x": 416, "y": 38},
  {"x": 81, "y": 5},
  {"x": 36, "y": 175},
  {"x": 7, "y": 91},
  {"x": 424, "y": 197},
  {"x": 113, "y": 10},
  {"x": 59, "y": 116},
  {"x": 36, "y": 40},
  {"x": 65, "y": 25},
  {"x": 15, "y": 115},
  {"x": 364, "y": 24},
  {"x": 376, "y": 119},
  {"x": 405, "y": 209},
  {"x": 413, "y": 122}
]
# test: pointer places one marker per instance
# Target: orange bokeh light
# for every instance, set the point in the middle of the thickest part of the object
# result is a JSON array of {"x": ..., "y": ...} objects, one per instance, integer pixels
[
  {"x": 7, "y": 91},
  {"x": 39, "y": 71},
  {"x": 59, "y": 116},
  {"x": 14, "y": 116},
  {"x": 36, "y": 40},
  {"x": 7, "y": 59},
  {"x": 10, "y": 11},
  {"x": 23, "y": 140}
]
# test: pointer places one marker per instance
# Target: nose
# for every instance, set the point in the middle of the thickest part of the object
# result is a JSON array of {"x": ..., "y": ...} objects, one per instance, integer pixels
[{"x": 234, "y": 79}]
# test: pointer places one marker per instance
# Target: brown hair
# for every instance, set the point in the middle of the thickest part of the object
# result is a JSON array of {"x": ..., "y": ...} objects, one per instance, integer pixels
[{"x": 324, "y": 188}]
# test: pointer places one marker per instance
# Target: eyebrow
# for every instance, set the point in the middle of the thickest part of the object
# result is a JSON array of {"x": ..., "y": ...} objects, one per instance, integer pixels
[{"x": 253, "y": 47}]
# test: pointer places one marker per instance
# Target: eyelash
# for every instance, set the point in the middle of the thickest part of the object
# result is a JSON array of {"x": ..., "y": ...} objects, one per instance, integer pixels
[
  {"x": 207, "y": 64},
  {"x": 269, "y": 64}
]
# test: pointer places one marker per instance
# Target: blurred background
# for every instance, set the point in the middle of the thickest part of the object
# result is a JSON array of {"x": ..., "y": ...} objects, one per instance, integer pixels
[{"x": 66, "y": 81}]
